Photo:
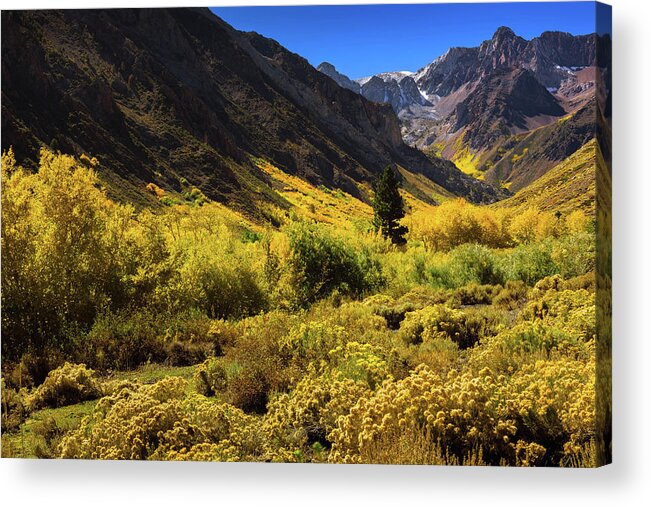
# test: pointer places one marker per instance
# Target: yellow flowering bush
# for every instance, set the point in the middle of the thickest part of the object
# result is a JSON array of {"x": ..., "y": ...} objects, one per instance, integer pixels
[
  {"x": 359, "y": 319},
  {"x": 67, "y": 385},
  {"x": 305, "y": 416},
  {"x": 211, "y": 376},
  {"x": 363, "y": 362},
  {"x": 570, "y": 310},
  {"x": 541, "y": 415},
  {"x": 161, "y": 421},
  {"x": 554, "y": 403},
  {"x": 526, "y": 342},
  {"x": 310, "y": 341},
  {"x": 457, "y": 412},
  {"x": 435, "y": 322},
  {"x": 440, "y": 355}
]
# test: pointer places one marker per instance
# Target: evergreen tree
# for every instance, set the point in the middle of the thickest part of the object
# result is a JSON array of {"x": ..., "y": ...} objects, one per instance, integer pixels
[{"x": 389, "y": 207}]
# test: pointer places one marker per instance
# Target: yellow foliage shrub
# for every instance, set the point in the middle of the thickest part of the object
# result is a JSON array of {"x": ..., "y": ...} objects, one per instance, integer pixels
[
  {"x": 305, "y": 416},
  {"x": 531, "y": 225},
  {"x": 527, "y": 342},
  {"x": 65, "y": 249},
  {"x": 160, "y": 421},
  {"x": 67, "y": 385},
  {"x": 554, "y": 402},
  {"x": 438, "y": 322},
  {"x": 573, "y": 311},
  {"x": 456, "y": 222},
  {"x": 502, "y": 419},
  {"x": 363, "y": 362},
  {"x": 211, "y": 376},
  {"x": 456, "y": 412},
  {"x": 439, "y": 355},
  {"x": 156, "y": 190},
  {"x": 576, "y": 221}
]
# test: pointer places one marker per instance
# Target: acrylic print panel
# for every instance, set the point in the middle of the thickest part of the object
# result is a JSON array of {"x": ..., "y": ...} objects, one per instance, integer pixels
[{"x": 324, "y": 234}]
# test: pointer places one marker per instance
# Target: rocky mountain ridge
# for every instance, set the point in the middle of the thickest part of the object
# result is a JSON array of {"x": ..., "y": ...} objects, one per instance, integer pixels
[
  {"x": 473, "y": 101},
  {"x": 194, "y": 108}
]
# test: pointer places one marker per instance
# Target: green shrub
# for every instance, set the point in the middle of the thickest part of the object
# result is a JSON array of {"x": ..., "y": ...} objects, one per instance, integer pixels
[
  {"x": 127, "y": 339},
  {"x": 512, "y": 295},
  {"x": 529, "y": 263},
  {"x": 220, "y": 284},
  {"x": 322, "y": 264},
  {"x": 468, "y": 264},
  {"x": 124, "y": 340},
  {"x": 476, "y": 263},
  {"x": 575, "y": 254},
  {"x": 311, "y": 341}
]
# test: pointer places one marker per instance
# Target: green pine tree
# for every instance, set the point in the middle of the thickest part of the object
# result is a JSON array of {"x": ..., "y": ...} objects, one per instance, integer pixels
[{"x": 389, "y": 207}]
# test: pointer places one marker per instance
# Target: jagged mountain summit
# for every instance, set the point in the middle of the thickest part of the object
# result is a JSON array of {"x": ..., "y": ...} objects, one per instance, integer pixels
[
  {"x": 344, "y": 81},
  {"x": 396, "y": 88},
  {"x": 553, "y": 58},
  {"x": 401, "y": 93},
  {"x": 470, "y": 101},
  {"x": 199, "y": 105},
  {"x": 562, "y": 63}
]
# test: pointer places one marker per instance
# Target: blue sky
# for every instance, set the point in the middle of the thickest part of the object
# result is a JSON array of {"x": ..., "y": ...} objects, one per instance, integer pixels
[{"x": 361, "y": 40}]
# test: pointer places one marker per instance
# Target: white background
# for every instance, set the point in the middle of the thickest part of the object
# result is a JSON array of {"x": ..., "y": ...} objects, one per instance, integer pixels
[{"x": 627, "y": 482}]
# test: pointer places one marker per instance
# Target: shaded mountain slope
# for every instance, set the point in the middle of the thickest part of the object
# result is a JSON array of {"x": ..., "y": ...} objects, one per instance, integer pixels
[
  {"x": 521, "y": 159},
  {"x": 502, "y": 104},
  {"x": 568, "y": 186},
  {"x": 193, "y": 106}
]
